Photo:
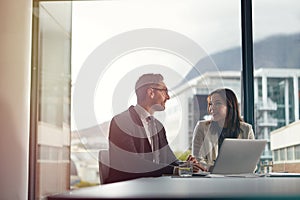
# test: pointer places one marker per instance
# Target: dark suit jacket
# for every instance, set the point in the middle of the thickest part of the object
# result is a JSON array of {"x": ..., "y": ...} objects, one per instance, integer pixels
[{"x": 130, "y": 151}]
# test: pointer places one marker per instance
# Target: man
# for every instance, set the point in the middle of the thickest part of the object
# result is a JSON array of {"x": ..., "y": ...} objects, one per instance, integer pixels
[{"x": 138, "y": 146}]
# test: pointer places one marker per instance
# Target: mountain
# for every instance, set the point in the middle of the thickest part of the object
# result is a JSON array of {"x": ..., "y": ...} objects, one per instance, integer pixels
[{"x": 273, "y": 52}]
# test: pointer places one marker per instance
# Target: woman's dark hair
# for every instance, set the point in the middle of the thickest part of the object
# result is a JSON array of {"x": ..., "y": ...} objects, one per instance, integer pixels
[{"x": 233, "y": 117}]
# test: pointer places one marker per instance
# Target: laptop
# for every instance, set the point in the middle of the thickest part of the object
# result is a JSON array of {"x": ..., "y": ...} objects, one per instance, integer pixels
[{"x": 237, "y": 157}]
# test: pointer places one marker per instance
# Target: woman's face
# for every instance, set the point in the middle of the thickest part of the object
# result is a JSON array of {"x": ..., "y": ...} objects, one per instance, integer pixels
[{"x": 217, "y": 108}]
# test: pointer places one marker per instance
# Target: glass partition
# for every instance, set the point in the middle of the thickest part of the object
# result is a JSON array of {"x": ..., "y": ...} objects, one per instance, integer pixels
[
  {"x": 276, "y": 80},
  {"x": 196, "y": 45},
  {"x": 50, "y": 103},
  {"x": 90, "y": 53}
]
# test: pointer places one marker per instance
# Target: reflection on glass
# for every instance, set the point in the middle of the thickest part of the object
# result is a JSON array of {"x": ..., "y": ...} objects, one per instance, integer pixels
[
  {"x": 212, "y": 26},
  {"x": 196, "y": 51}
]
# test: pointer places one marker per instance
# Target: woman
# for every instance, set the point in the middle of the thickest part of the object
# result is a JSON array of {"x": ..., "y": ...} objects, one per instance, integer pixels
[{"x": 225, "y": 122}]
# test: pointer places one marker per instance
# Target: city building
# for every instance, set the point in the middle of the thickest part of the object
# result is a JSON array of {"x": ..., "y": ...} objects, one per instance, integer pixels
[
  {"x": 285, "y": 145},
  {"x": 276, "y": 96}
]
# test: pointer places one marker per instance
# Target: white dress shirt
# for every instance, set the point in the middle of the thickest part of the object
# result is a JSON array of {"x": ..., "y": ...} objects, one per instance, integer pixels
[{"x": 143, "y": 116}]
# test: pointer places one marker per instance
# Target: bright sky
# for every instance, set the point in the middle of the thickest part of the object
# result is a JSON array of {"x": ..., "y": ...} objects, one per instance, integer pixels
[{"x": 213, "y": 25}]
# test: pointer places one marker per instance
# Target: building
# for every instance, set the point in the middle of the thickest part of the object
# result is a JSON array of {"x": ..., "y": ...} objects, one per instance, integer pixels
[
  {"x": 277, "y": 97},
  {"x": 285, "y": 145}
]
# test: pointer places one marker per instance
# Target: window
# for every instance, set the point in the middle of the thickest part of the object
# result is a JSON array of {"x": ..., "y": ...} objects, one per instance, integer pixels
[
  {"x": 181, "y": 45},
  {"x": 276, "y": 72},
  {"x": 276, "y": 155},
  {"x": 83, "y": 60},
  {"x": 297, "y": 152},
  {"x": 290, "y": 153},
  {"x": 282, "y": 154}
]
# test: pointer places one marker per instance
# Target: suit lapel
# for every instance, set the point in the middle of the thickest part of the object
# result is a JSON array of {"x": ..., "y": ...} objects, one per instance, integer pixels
[{"x": 141, "y": 141}]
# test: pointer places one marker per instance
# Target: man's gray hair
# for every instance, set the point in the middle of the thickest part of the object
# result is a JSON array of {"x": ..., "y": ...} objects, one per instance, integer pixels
[{"x": 148, "y": 79}]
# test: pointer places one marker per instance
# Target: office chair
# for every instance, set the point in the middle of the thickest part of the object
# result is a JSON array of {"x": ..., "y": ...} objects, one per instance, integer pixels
[{"x": 103, "y": 165}]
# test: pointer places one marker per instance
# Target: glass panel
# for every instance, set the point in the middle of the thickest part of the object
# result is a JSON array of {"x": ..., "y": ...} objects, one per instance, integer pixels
[
  {"x": 297, "y": 152},
  {"x": 290, "y": 153},
  {"x": 276, "y": 155},
  {"x": 150, "y": 36},
  {"x": 276, "y": 72},
  {"x": 54, "y": 89},
  {"x": 282, "y": 154}
]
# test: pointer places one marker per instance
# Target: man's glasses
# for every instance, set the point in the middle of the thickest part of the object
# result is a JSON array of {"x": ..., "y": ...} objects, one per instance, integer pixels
[{"x": 161, "y": 89}]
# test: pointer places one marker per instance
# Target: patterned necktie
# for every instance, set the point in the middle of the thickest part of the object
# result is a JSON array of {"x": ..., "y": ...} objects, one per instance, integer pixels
[{"x": 153, "y": 138}]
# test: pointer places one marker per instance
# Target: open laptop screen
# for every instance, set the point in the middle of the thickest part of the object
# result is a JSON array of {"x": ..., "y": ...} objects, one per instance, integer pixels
[{"x": 238, "y": 156}]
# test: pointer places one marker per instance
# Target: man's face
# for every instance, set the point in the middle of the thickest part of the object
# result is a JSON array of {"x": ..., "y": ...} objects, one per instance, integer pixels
[{"x": 159, "y": 96}]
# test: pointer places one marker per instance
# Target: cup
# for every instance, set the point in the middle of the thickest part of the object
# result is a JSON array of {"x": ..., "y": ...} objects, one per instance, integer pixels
[{"x": 185, "y": 169}]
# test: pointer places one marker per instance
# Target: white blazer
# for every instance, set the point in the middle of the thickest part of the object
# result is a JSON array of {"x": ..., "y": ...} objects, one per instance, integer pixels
[{"x": 205, "y": 143}]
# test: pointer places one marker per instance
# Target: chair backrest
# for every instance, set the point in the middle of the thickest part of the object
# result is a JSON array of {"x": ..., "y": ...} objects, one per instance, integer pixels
[{"x": 103, "y": 165}]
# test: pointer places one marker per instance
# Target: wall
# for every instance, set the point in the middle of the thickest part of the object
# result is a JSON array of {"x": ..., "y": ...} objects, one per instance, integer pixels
[
  {"x": 287, "y": 167},
  {"x": 15, "y": 40},
  {"x": 285, "y": 136}
]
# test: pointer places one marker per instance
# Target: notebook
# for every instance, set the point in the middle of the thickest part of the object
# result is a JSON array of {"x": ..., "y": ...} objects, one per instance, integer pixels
[{"x": 238, "y": 156}]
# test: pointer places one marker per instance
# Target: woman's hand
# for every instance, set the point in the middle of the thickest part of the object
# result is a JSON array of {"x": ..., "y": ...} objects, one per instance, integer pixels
[
  {"x": 192, "y": 159},
  {"x": 196, "y": 165}
]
